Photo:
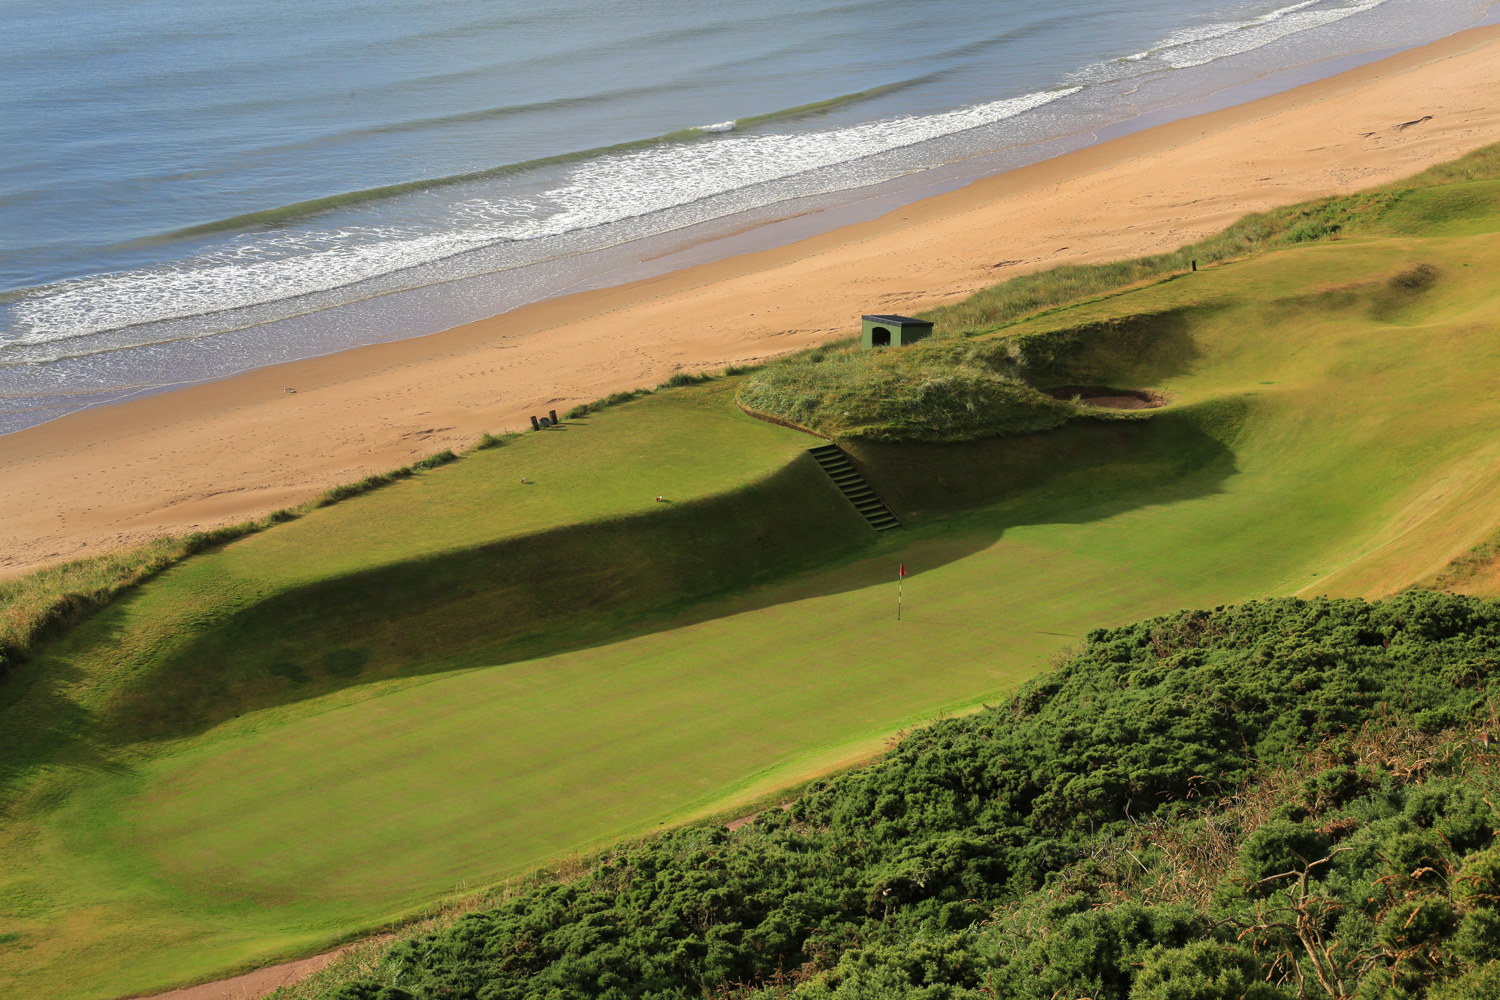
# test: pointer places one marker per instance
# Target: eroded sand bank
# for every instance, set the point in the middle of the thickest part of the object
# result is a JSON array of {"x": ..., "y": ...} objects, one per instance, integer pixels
[{"x": 229, "y": 450}]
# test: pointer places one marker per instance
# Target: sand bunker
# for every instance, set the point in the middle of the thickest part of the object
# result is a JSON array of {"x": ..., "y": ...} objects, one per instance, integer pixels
[{"x": 1113, "y": 399}]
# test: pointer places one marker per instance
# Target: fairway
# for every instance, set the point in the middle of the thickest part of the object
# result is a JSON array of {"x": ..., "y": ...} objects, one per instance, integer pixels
[{"x": 1333, "y": 432}]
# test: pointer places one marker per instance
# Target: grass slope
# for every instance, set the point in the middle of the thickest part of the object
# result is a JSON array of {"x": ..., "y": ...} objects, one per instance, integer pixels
[
  {"x": 1129, "y": 827},
  {"x": 1333, "y": 430}
]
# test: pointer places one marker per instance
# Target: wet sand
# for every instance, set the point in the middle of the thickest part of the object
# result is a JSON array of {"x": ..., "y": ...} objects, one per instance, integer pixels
[{"x": 225, "y": 451}]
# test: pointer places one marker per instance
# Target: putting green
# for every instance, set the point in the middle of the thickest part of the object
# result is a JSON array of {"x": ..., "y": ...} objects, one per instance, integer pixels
[{"x": 1334, "y": 431}]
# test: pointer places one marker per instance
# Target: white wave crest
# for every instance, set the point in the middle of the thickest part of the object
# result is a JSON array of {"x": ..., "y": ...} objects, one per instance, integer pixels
[
  {"x": 1207, "y": 43},
  {"x": 261, "y": 268}
]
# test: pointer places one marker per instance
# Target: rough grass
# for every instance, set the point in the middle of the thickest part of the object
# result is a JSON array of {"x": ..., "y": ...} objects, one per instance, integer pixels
[
  {"x": 1468, "y": 568},
  {"x": 962, "y": 389},
  {"x": 940, "y": 392},
  {"x": 936, "y": 392},
  {"x": 604, "y": 402},
  {"x": 47, "y": 603},
  {"x": 1323, "y": 219}
]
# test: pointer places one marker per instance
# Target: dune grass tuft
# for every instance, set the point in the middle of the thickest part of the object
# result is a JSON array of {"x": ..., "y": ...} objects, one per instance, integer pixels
[
  {"x": 680, "y": 379},
  {"x": 48, "y": 602},
  {"x": 604, "y": 402},
  {"x": 487, "y": 440},
  {"x": 344, "y": 491}
]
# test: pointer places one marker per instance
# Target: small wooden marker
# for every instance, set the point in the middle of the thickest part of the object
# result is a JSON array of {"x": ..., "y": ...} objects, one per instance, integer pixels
[
  {"x": 553, "y": 415},
  {"x": 534, "y": 425}
]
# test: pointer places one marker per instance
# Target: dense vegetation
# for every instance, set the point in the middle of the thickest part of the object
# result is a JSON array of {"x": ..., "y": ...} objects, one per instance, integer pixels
[{"x": 1285, "y": 798}]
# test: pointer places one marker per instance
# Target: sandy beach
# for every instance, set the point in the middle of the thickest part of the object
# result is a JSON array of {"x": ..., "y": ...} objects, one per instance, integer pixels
[{"x": 225, "y": 451}]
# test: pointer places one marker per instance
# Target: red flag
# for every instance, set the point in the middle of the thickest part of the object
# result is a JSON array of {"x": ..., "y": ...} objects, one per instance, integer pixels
[{"x": 903, "y": 569}]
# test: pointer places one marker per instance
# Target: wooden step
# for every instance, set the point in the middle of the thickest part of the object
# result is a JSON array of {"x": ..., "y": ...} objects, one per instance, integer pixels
[{"x": 858, "y": 492}]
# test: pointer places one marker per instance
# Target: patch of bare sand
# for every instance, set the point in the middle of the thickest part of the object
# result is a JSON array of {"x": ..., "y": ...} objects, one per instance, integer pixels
[
  {"x": 254, "y": 985},
  {"x": 238, "y": 448}
]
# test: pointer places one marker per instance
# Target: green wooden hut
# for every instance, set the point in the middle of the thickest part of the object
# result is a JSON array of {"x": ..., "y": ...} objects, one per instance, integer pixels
[{"x": 893, "y": 331}]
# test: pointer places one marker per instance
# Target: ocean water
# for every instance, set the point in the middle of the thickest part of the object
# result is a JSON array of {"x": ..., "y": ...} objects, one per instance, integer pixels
[{"x": 188, "y": 189}]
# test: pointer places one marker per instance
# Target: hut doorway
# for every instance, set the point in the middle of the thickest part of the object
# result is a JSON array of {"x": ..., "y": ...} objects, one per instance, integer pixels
[{"x": 880, "y": 337}]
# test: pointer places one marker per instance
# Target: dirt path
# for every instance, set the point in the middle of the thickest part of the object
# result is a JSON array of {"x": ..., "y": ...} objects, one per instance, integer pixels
[{"x": 257, "y": 984}]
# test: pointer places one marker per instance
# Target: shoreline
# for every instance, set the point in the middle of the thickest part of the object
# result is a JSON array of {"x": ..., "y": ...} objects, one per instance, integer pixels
[
  {"x": 221, "y": 451},
  {"x": 437, "y": 306}
]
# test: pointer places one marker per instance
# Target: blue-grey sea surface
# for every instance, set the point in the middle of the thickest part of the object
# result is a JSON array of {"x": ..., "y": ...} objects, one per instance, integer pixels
[{"x": 179, "y": 179}]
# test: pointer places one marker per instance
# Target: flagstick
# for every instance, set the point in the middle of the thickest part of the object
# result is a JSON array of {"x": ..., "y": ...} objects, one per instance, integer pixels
[{"x": 900, "y": 581}]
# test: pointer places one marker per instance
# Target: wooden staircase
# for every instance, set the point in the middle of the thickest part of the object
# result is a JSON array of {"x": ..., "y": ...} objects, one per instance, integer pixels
[{"x": 847, "y": 478}]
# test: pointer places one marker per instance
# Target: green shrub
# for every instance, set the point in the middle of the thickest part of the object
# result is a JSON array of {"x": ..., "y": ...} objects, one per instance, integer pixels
[
  {"x": 1280, "y": 847},
  {"x": 1482, "y": 983},
  {"x": 1478, "y": 937},
  {"x": 366, "y": 990},
  {"x": 1417, "y": 922},
  {"x": 1477, "y": 883},
  {"x": 1416, "y": 856},
  {"x": 1203, "y": 970}
]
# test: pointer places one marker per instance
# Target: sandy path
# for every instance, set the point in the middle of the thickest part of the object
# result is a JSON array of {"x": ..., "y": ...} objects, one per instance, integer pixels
[
  {"x": 240, "y": 447},
  {"x": 254, "y": 985}
]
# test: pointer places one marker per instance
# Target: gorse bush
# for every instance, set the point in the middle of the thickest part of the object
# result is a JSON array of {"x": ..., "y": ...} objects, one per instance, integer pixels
[{"x": 1272, "y": 800}]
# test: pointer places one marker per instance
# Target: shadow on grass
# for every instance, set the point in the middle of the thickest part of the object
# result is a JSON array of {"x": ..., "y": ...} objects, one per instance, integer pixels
[{"x": 790, "y": 537}]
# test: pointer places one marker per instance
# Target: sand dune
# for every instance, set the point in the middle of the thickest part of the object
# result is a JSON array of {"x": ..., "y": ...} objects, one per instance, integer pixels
[{"x": 225, "y": 451}]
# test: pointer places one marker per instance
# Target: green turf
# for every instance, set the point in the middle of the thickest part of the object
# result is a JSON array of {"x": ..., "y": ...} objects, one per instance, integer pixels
[{"x": 1333, "y": 430}]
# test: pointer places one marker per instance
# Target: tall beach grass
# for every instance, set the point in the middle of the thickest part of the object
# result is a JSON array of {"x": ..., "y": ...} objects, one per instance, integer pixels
[{"x": 46, "y": 603}]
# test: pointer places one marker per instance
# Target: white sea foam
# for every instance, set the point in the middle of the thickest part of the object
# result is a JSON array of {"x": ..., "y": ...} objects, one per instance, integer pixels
[
  {"x": 1198, "y": 46},
  {"x": 720, "y": 127},
  {"x": 260, "y": 268},
  {"x": 1203, "y": 44}
]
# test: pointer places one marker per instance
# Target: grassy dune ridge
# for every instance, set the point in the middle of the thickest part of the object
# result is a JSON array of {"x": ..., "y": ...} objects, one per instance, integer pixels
[
  {"x": 938, "y": 390},
  {"x": 47, "y": 603},
  {"x": 356, "y": 716}
]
